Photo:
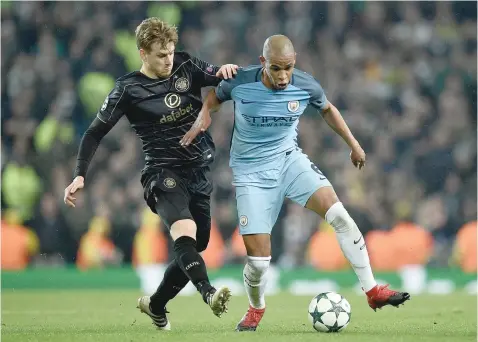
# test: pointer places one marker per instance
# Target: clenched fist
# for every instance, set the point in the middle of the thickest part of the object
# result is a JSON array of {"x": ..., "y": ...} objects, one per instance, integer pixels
[{"x": 358, "y": 157}]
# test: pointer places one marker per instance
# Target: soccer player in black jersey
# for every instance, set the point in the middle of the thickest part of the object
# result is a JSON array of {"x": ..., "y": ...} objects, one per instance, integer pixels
[{"x": 162, "y": 101}]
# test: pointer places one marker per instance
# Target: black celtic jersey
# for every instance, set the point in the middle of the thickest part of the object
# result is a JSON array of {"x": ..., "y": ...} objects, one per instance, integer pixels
[{"x": 160, "y": 111}]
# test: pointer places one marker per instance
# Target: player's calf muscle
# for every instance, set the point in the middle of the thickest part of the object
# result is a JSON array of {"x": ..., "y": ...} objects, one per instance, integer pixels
[{"x": 186, "y": 227}]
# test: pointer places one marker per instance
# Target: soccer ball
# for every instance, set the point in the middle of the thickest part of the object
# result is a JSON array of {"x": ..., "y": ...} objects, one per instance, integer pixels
[{"x": 329, "y": 312}]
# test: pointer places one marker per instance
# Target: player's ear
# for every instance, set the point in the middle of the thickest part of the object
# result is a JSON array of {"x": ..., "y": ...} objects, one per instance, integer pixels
[
  {"x": 263, "y": 60},
  {"x": 142, "y": 54}
]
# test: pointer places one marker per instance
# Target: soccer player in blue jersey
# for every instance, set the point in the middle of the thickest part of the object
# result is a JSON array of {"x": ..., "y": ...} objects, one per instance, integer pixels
[{"x": 268, "y": 166}]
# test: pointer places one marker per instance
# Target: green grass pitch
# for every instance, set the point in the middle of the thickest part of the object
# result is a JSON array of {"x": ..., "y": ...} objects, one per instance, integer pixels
[{"x": 112, "y": 316}]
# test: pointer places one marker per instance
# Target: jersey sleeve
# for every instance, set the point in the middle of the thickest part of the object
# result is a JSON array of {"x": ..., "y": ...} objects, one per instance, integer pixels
[
  {"x": 224, "y": 90},
  {"x": 113, "y": 107},
  {"x": 318, "y": 99},
  {"x": 89, "y": 143},
  {"x": 204, "y": 73}
]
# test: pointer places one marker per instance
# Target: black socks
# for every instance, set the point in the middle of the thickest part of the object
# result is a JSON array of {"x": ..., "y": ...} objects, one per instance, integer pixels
[
  {"x": 192, "y": 264},
  {"x": 174, "y": 281},
  {"x": 187, "y": 265}
]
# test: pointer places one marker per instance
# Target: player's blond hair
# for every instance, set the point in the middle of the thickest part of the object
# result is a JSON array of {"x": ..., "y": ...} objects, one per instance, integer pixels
[{"x": 153, "y": 30}]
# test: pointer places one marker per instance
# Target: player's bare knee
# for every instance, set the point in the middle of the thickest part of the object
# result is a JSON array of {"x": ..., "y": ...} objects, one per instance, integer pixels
[
  {"x": 338, "y": 217},
  {"x": 184, "y": 227},
  {"x": 322, "y": 200}
]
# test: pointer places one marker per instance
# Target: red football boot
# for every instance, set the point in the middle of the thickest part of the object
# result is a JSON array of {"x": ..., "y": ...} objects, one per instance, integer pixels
[
  {"x": 380, "y": 296},
  {"x": 251, "y": 319}
]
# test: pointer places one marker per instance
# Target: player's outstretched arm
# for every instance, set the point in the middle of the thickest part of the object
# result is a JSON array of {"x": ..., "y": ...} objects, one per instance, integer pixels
[
  {"x": 335, "y": 120},
  {"x": 203, "y": 121},
  {"x": 88, "y": 145},
  {"x": 109, "y": 114}
]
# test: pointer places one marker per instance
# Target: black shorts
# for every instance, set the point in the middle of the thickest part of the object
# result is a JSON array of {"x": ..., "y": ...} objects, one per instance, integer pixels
[{"x": 181, "y": 194}]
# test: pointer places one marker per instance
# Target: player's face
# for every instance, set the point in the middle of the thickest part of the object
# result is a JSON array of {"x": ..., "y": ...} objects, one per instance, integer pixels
[
  {"x": 279, "y": 70},
  {"x": 159, "y": 60}
]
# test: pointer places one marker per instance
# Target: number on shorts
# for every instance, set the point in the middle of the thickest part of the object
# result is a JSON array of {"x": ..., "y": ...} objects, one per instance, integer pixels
[{"x": 316, "y": 169}]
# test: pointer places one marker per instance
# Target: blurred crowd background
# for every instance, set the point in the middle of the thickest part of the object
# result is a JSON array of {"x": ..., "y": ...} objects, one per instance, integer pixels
[{"x": 403, "y": 75}]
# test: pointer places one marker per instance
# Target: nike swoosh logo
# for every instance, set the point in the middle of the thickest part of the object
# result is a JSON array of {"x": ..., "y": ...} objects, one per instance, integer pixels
[
  {"x": 356, "y": 242},
  {"x": 245, "y": 102}
]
